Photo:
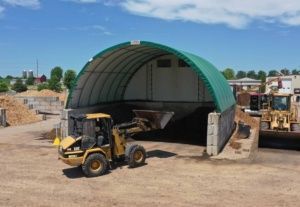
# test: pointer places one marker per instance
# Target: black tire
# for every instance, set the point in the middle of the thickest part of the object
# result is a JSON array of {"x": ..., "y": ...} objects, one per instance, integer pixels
[
  {"x": 95, "y": 165},
  {"x": 136, "y": 156}
]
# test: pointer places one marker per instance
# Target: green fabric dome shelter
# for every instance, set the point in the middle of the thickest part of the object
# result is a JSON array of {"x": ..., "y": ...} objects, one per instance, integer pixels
[{"x": 105, "y": 77}]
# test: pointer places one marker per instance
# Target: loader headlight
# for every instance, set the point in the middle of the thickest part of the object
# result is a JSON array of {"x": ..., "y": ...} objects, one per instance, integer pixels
[
  {"x": 72, "y": 156},
  {"x": 60, "y": 150},
  {"x": 264, "y": 125}
]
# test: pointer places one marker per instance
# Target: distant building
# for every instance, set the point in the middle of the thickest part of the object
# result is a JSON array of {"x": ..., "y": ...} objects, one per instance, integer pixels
[
  {"x": 14, "y": 80},
  {"x": 41, "y": 79},
  {"x": 289, "y": 84},
  {"x": 24, "y": 74},
  {"x": 245, "y": 84},
  {"x": 30, "y": 74}
]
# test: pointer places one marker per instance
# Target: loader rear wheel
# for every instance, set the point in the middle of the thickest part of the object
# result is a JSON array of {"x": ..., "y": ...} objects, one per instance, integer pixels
[
  {"x": 137, "y": 156},
  {"x": 95, "y": 165}
]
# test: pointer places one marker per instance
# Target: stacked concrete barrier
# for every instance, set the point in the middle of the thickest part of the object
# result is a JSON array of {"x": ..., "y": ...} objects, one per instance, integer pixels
[
  {"x": 3, "y": 117},
  {"x": 219, "y": 129},
  {"x": 50, "y": 105}
]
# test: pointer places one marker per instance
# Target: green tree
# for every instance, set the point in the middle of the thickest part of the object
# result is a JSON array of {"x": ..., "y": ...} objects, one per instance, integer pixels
[
  {"x": 295, "y": 72},
  {"x": 252, "y": 74},
  {"x": 54, "y": 84},
  {"x": 241, "y": 74},
  {"x": 42, "y": 86},
  {"x": 57, "y": 72},
  {"x": 272, "y": 73},
  {"x": 19, "y": 86},
  {"x": 69, "y": 78},
  {"x": 261, "y": 75},
  {"x": 285, "y": 71},
  {"x": 3, "y": 86},
  {"x": 229, "y": 74},
  {"x": 9, "y": 77},
  {"x": 30, "y": 81}
]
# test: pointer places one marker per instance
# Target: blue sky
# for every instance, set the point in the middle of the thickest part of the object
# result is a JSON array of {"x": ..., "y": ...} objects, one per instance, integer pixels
[{"x": 259, "y": 35}]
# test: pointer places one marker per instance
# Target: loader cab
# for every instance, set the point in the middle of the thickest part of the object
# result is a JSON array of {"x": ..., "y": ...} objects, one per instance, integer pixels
[
  {"x": 280, "y": 102},
  {"x": 94, "y": 129},
  {"x": 258, "y": 101}
]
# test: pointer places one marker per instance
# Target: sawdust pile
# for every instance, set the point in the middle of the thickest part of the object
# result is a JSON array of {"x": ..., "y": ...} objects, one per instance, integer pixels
[
  {"x": 234, "y": 144},
  {"x": 44, "y": 93},
  {"x": 16, "y": 112},
  {"x": 246, "y": 118}
]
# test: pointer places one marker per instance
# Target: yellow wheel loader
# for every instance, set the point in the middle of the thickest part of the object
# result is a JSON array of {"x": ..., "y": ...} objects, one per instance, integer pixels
[
  {"x": 281, "y": 117},
  {"x": 95, "y": 142}
]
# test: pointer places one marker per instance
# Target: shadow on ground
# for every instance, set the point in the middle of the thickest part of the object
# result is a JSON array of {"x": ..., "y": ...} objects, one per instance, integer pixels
[
  {"x": 279, "y": 142},
  {"x": 73, "y": 173},
  {"x": 160, "y": 154}
]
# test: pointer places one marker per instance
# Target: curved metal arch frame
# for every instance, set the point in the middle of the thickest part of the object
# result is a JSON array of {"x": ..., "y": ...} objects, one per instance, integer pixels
[
  {"x": 103, "y": 71},
  {"x": 118, "y": 65},
  {"x": 94, "y": 69}
]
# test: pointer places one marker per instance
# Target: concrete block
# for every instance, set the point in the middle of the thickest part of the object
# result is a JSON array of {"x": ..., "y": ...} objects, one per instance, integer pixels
[
  {"x": 210, "y": 129},
  {"x": 209, "y": 119},
  {"x": 212, "y": 150},
  {"x": 215, "y": 140},
  {"x": 209, "y": 140},
  {"x": 215, "y": 118},
  {"x": 65, "y": 114}
]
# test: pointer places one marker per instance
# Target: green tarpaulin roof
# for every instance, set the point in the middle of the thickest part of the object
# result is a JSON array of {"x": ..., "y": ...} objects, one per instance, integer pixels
[{"x": 105, "y": 77}]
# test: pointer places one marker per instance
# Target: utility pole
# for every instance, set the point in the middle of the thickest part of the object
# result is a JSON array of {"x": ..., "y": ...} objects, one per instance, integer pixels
[{"x": 37, "y": 68}]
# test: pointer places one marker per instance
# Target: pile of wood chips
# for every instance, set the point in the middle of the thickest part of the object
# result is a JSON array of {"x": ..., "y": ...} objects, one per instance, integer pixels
[
  {"x": 44, "y": 93},
  {"x": 16, "y": 112},
  {"x": 246, "y": 118}
]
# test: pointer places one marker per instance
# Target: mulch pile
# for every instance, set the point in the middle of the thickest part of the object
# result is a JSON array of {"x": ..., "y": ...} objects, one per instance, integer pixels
[
  {"x": 44, "y": 93},
  {"x": 16, "y": 112}
]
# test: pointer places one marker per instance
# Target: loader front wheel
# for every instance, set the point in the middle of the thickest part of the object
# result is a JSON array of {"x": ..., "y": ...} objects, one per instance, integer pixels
[
  {"x": 95, "y": 165},
  {"x": 137, "y": 156}
]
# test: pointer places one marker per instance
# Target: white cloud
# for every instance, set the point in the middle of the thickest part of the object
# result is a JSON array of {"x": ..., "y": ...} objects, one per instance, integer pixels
[
  {"x": 85, "y": 1},
  {"x": 105, "y": 2},
  {"x": 1, "y": 10},
  {"x": 91, "y": 28},
  {"x": 33, "y": 4},
  {"x": 233, "y": 13}
]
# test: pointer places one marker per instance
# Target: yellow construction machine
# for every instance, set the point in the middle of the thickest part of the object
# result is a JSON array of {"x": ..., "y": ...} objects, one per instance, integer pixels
[
  {"x": 95, "y": 142},
  {"x": 281, "y": 117}
]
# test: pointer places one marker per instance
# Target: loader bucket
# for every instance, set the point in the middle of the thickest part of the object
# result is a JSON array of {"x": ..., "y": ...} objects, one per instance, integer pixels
[
  {"x": 243, "y": 130},
  {"x": 157, "y": 119}
]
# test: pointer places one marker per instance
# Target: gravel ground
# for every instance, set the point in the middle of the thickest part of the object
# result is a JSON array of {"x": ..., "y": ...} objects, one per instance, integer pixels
[{"x": 175, "y": 175}]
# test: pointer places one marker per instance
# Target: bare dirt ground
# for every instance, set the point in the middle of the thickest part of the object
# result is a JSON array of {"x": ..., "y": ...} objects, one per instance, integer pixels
[{"x": 175, "y": 175}]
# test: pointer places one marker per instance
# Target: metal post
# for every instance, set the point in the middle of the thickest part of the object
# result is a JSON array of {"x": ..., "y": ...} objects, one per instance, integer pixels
[{"x": 3, "y": 117}]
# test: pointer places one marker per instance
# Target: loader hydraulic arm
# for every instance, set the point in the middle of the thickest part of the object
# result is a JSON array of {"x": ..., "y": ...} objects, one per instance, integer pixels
[{"x": 135, "y": 126}]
